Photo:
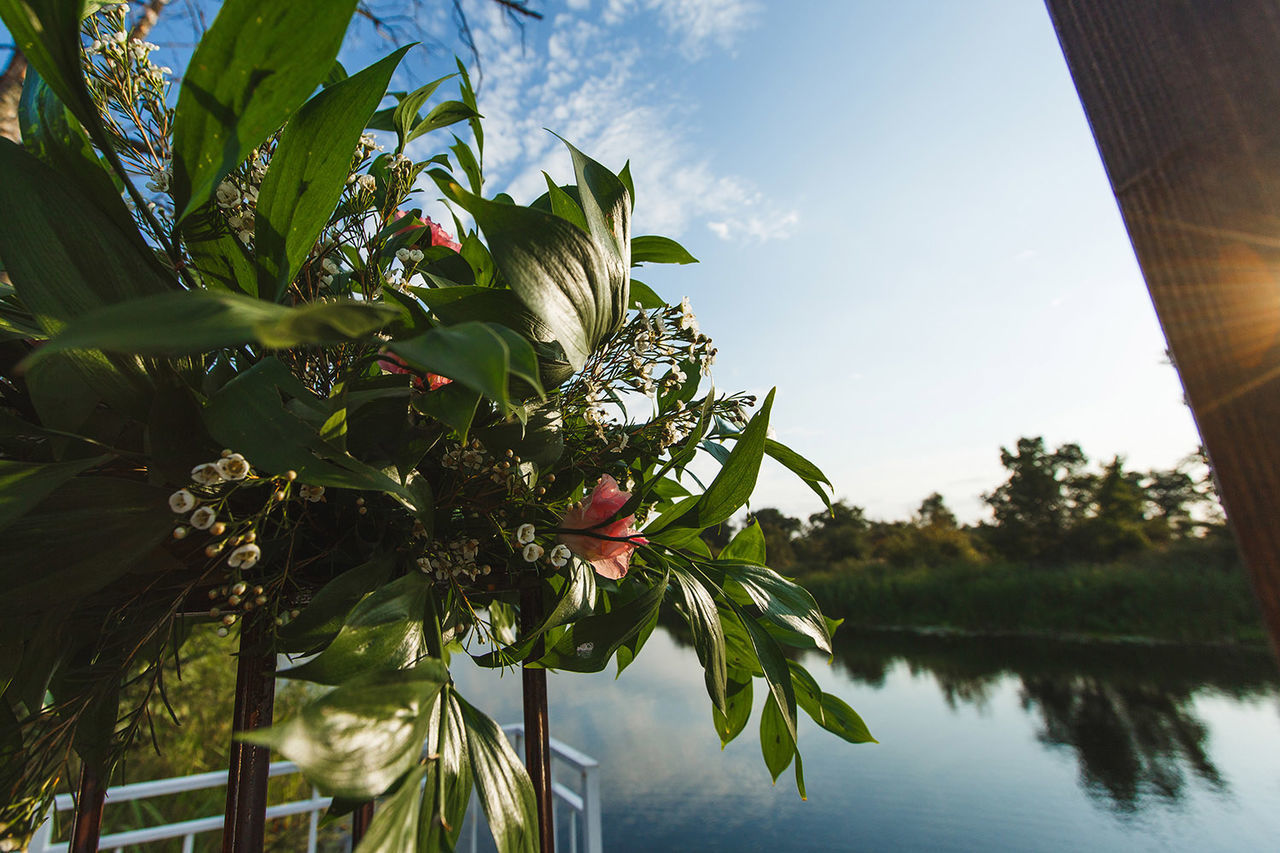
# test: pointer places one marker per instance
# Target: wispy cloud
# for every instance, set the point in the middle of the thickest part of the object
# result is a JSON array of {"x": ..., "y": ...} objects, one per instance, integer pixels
[{"x": 584, "y": 74}]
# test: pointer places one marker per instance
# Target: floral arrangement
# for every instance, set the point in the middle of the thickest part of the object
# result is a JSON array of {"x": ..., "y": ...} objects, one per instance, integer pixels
[{"x": 245, "y": 378}]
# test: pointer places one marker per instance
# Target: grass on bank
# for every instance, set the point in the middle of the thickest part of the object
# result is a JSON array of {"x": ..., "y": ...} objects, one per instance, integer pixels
[{"x": 1196, "y": 592}]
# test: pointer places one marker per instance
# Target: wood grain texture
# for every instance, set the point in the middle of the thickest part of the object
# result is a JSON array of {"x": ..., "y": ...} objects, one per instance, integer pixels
[{"x": 1183, "y": 97}]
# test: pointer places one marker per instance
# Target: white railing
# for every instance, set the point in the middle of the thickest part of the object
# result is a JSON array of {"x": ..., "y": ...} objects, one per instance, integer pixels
[{"x": 582, "y": 799}]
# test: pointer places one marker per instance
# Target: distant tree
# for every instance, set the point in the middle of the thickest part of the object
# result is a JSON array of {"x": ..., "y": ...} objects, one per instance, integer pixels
[
  {"x": 841, "y": 534},
  {"x": 717, "y": 537},
  {"x": 1039, "y": 501},
  {"x": 934, "y": 512},
  {"x": 1117, "y": 523}
]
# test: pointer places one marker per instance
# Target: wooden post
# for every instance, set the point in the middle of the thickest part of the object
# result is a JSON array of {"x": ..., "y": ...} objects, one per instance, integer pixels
[
  {"x": 360, "y": 820},
  {"x": 247, "y": 776},
  {"x": 1183, "y": 97},
  {"x": 537, "y": 735},
  {"x": 88, "y": 822}
]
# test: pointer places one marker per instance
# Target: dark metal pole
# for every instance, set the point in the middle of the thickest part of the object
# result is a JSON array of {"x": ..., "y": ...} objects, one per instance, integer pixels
[
  {"x": 88, "y": 822},
  {"x": 537, "y": 736},
  {"x": 247, "y": 776},
  {"x": 360, "y": 820}
]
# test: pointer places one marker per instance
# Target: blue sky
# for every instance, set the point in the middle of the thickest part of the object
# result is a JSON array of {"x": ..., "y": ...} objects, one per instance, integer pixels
[{"x": 902, "y": 218}]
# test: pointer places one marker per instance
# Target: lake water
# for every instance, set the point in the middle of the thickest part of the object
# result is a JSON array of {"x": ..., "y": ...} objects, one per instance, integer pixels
[{"x": 984, "y": 745}]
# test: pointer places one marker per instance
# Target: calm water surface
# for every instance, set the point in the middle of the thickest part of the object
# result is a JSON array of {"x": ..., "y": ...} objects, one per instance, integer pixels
[{"x": 984, "y": 745}]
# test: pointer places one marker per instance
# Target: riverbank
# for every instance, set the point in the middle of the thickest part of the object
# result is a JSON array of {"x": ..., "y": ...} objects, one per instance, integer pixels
[{"x": 1196, "y": 594}]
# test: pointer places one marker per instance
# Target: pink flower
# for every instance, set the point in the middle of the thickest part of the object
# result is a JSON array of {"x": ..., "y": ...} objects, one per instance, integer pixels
[
  {"x": 610, "y": 558},
  {"x": 392, "y": 363},
  {"x": 439, "y": 237}
]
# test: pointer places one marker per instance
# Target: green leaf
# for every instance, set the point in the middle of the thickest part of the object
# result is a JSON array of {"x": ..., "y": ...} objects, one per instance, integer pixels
[
  {"x": 560, "y": 273},
  {"x": 659, "y": 250},
  {"x": 576, "y": 600},
  {"x": 395, "y": 822},
  {"x": 405, "y": 114},
  {"x": 777, "y": 744},
  {"x": 730, "y": 723},
  {"x": 53, "y": 134},
  {"x": 256, "y": 64},
  {"x": 606, "y": 205},
  {"x": 735, "y": 482},
  {"x": 48, "y": 34},
  {"x": 220, "y": 258},
  {"x": 60, "y": 272},
  {"x": 443, "y": 115},
  {"x": 801, "y": 467},
  {"x": 86, "y": 534},
  {"x": 503, "y": 784},
  {"x": 774, "y": 667},
  {"x": 196, "y": 321},
  {"x": 382, "y": 632},
  {"x": 453, "y": 405},
  {"x": 643, "y": 296},
  {"x": 23, "y": 485},
  {"x": 588, "y": 643},
  {"x": 830, "y": 712},
  {"x": 788, "y": 605},
  {"x": 699, "y": 609},
  {"x": 479, "y": 355},
  {"x": 564, "y": 205},
  {"x": 356, "y": 740},
  {"x": 322, "y": 618},
  {"x": 746, "y": 546},
  {"x": 467, "y": 162},
  {"x": 309, "y": 169},
  {"x": 449, "y": 779}
]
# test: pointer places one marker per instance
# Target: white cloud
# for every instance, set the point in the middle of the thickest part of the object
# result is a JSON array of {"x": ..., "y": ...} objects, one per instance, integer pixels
[
  {"x": 585, "y": 78},
  {"x": 579, "y": 5}
]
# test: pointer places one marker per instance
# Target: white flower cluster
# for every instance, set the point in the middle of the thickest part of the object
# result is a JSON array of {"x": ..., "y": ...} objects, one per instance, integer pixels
[
  {"x": 533, "y": 552},
  {"x": 240, "y": 205},
  {"x": 229, "y": 468},
  {"x": 455, "y": 560}
]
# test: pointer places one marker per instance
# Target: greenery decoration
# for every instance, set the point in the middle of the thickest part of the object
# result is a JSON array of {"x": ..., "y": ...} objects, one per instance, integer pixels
[{"x": 242, "y": 374}]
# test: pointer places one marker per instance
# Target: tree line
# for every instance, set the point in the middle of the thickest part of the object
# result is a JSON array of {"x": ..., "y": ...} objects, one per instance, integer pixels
[{"x": 1053, "y": 507}]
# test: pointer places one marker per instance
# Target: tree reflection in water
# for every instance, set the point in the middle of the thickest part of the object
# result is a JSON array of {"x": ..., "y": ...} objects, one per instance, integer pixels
[{"x": 1124, "y": 710}]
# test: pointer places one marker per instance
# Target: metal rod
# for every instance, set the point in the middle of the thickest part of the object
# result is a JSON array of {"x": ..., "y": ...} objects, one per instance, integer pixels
[
  {"x": 537, "y": 746},
  {"x": 360, "y": 820},
  {"x": 247, "y": 775},
  {"x": 88, "y": 822}
]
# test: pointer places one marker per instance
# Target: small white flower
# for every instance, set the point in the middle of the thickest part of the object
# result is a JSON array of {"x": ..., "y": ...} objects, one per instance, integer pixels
[
  {"x": 402, "y": 255},
  {"x": 532, "y": 552},
  {"x": 525, "y": 534},
  {"x": 206, "y": 474},
  {"x": 470, "y": 549},
  {"x": 559, "y": 556},
  {"x": 415, "y": 255},
  {"x": 181, "y": 501},
  {"x": 424, "y": 565},
  {"x": 367, "y": 182},
  {"x": 203, "y": 518},
  {"x": 227, "y": 194},
  {"x": 245, "y": 236},
  {"x": 329, "y": 266},
  {"x": 244, "y": 557},
  {"x": 311, "y": 493},
  {"x": 233, "y": 467}
]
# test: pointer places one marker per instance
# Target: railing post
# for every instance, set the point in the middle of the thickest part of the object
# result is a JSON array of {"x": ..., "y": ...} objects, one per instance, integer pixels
[
  {"x": 536, "y": 729},
  {"x": 247, "y": 775},
  {"x": 88, "y": 820},
  {"x": 593, "y": 841},
  {"x": 360, "y": 820}
]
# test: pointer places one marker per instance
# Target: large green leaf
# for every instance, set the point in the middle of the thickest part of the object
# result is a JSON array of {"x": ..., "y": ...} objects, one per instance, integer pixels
[
  {"x": 356, "y": 740},
  {"x": 479, "y": 355},
  {"x": 736, "y": 480},
  {"x": 700, "y": 611},
  {"x": 219, "y": 257},
  {"x": 447, "y": 792},
  {"x": 589, "y": 643},
  {"x": 383, "y": 631},
  {"x": 788, "y": 605},
  {"x": 830, "y": 712},
  {"x": 442, "y": 115},
  {"x": 87, "y": 533},
  {"x": 404, "y": 115},
  {"x": 23, "y": 485},
  {"x": 659, "y": 250},
  {"x": 195, "y": 321},
  {"x": 730, "y": 723},
  {"x": 322, "y": 618},
  {"x": 395, "y": 822},
  {"x": 309, "y": 171},
  {"x": 746, "y": 546},
  {"x": 576, "y": 288},
  {"x": 53, "y": 134},
  {"x": 48, "y": 34},
  {"x": 777, "y": 744},
  {"x": 504, "y": 786},
  {"x": 574, "y": 601},
  {"x": 801, "y": 467},
  {"x": 774, "y": 666},
  {"x": 255, "y": 65}
]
